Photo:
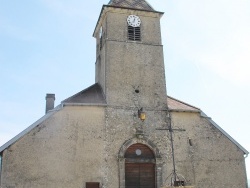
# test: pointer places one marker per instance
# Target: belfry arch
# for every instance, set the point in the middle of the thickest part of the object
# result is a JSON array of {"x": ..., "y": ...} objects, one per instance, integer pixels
[{"x": 140, "y": 156}]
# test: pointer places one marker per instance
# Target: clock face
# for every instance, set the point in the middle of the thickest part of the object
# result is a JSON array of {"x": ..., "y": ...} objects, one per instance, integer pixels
[{"x": 134, "y": 21}]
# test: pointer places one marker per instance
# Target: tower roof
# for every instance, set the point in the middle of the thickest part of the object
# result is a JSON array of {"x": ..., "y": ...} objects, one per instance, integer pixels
[
  {"x": 91, "y": 95},
  {"x": 135, "y": 4}
]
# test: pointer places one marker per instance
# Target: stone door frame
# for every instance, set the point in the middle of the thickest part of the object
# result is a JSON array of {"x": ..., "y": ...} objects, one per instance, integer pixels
[{"x": 121, "y": 160}]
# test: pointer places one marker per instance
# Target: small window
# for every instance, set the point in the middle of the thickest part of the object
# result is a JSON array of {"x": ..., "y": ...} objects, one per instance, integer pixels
[
  {"x": 134, "y": 33},
  {"x": 100, "y": 38},
  {"x": 92, "y": 185}
]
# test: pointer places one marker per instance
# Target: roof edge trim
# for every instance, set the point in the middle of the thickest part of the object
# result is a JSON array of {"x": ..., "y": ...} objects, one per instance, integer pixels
[
  {"x": 27, "y": 130},
  {"x": 83, "y": 104},
  {"x": 191, "y": 111},
  {"x": 149, "y": 4},
  {"x": 224, "y": 132},
  {"x": 144, "y": 0},
  {"x": 134, "y": 9}
]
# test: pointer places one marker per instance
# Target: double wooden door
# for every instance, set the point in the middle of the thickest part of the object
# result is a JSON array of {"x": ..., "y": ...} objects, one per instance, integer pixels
[{"x": 139, "y": 175}]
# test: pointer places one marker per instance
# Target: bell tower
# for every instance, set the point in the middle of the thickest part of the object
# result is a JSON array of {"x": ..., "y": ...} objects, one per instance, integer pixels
[{"x": 129, "y": 54}]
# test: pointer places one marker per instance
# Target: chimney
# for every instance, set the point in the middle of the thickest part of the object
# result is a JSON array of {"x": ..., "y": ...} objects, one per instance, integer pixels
[{"x": 50, "y": 100}]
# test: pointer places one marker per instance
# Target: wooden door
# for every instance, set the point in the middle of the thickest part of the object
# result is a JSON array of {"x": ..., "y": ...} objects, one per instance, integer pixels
[{"x": 140, "y": 175}]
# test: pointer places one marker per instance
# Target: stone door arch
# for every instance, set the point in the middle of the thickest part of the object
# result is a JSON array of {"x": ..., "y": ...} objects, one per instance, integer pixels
[{"x": 140, "y": 164}]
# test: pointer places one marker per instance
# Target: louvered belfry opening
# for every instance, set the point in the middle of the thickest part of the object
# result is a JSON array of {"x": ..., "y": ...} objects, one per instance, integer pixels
[
  {"x": 134, "y": 33},
  {"x": 139, "y": 167}
]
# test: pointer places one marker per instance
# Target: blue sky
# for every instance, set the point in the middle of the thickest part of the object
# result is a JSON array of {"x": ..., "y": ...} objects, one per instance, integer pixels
[{"x": 47, "y": 47}]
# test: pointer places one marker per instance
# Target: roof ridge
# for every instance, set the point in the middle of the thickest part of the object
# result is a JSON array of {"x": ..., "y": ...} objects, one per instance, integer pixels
[
  {"x": 149, "y": 4},
  {"x": 138, "y": 4}
]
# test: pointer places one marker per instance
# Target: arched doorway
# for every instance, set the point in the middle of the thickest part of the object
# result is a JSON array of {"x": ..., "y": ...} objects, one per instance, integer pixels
[{"x": 140, "y": 171}]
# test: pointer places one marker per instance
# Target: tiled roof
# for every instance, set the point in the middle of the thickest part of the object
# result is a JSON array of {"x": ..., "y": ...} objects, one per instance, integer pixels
[
  {"x": 94, "y": 95},
  {"x": 135, "y": 4},
  {"x": 177, "y": 105},
  {"x": 91, "y": 95}
]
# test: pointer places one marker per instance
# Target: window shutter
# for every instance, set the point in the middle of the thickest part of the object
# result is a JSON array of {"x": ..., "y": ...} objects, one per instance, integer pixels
[{"x": 134, "y": 33}]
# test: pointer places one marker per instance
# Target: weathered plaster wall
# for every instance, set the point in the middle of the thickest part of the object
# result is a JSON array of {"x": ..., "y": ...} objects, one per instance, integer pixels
[
  {"x": 100, "y": 74},
  {"x": 130, "y": 67},
  {"x": 78, "y": 145},
  {"x": 64, "y": 151},
  {"x": 117, "y": 25},
  {"x": 205, "y": 156},
  {"x": 133, "y": 65},
  {"x": 121, "y": 125},
  {"x": 124, "y": 66},
  {"x": 81, "y": 144}
]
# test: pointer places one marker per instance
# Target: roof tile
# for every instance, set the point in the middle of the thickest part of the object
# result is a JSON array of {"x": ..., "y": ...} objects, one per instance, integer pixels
[
  {"x": 135, "y": 4},
  {"x": 91, "y": 95},
  {"x": 174, "y": 104}
]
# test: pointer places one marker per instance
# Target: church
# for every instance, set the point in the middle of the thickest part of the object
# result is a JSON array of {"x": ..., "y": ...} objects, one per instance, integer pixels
[{"x": 124, "y": 131}]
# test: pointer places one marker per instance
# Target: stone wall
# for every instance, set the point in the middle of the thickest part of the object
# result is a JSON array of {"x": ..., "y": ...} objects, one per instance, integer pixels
[
  {"x": 124, "y": 66},
  {"x": 122, "y": 125},
  {"x": 83, "y": 144},
  {"x": 64, "y": 151},
  {"x": 205, "y": 156}
]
